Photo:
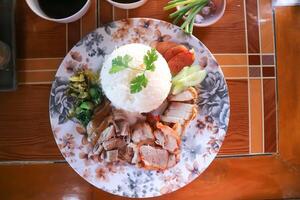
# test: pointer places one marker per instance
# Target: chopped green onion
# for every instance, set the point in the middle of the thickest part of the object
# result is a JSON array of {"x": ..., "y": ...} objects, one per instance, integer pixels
[{"x": 190, "y": 8}]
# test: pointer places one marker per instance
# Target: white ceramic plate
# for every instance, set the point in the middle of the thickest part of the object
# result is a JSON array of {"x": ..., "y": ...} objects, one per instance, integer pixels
[{"x": 200, "y": 143}]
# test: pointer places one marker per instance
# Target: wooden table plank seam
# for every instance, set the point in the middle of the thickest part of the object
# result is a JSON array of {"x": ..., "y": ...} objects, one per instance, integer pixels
[
  {"x": 36, "y": 83},
  {"x": 262, "y": 88},
  {"x": 249, "y": 104},
  {"x": 276, "y": 81},
  {"x": 24, "y": 162}
]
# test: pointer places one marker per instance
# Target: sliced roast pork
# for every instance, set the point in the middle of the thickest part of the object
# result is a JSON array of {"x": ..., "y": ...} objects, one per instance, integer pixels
[
  {"x": 161, "y": 109},
  {"x": 172, "y": 160},
  {"x": 153, "y": 158},
  {"x": 171, "y": 144},
  {"x": 178, "y": 128},
  {"x": 170, "y": 119},
  {"x": 142, "y": 132},
  {"x": 166, "y": 141},
  {"x": 171, "y": 138},
  {"x": 179, "y": 112},
  {"x": 189, "y": 94},
  {"x": 160, "y": 138}
]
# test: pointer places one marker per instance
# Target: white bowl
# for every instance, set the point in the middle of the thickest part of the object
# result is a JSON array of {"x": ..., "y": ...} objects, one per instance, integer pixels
[
  {"x": 35, "y": 7},
  {"x": 127, "y": 5},
  {"x": 218, "y": 15}
]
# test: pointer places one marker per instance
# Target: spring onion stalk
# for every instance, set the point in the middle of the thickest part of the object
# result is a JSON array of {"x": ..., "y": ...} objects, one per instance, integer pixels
[
  {"x": 174, "y": 1},
  {"x": 192, "y": 25},
  {"x": 183, "y": 9},
  {"x": 191, "y": 17},
  {"x": 179, "y": 3},
  {"x": 188, "y": 8}
]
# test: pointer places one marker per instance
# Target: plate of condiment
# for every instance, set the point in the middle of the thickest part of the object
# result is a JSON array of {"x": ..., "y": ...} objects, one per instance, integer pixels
[
  {"x": 62, "y": 11},
  {"x": 127, "y": 4},
  {"x": 138, "y": 108},
  {"x": 210, "y": 13}
]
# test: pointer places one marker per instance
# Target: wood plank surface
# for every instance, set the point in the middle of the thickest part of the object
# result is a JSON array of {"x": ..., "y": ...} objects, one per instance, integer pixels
[
  {"x": 25, "y": 128},
  {"x": 237, "y": 137},
  {"x": 36, "y": 37},
  {"x": 231, "y": 59},
  {"x": 119, "y": 13},
  {"x": 228, "y": 34},
  {"x": 89, "y": 20},
  {"x": 42, "y": 70},
  {"x": 105, "y": 12},
  {"x": 266, "y": 26},
  {"x": 226, "y": 37},
  {"x": 288, "y": 51},
  {"x": 256, "y": 145},
  {"x": 230, "y": 29},
  {"x": 36, "y": 76},
  {"x": 252, "y": 26},
  {"x": 38, "y": 64},
  {"x": 152, "y": 9},
  {"x": 73, "y": 33},
  {"x": 230, "y": 178},
  {"x": 270, "y": 115},
  {"x": 234, "y": 71},
  {"x": 26, "y": 133}
]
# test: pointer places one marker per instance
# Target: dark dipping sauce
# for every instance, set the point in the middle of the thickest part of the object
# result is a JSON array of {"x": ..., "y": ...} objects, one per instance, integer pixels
[
  {"x": 126, "y": 1},
  {"x": 59, "y": 9}
]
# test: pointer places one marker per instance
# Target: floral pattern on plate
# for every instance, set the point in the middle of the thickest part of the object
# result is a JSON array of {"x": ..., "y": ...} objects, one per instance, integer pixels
[{"x": 200, "y": 143}]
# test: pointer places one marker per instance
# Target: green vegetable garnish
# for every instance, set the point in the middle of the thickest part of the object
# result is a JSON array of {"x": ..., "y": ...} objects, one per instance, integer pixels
[
  {"x": 139, "y": 82},
  {"x": 120, "y": 63},
  {"x": 96, "y": 94},
  {"x": 85, "y": 90},
  {"x": 179, "y": 87},
  {"x": 184, "y": 72},
  {"x": 149, "y": 59},
  {"x": 87, "y": 105},
  {"x": 187, "y": 77},
  {"x": 84, "y": 116},
  {"x": 83, "y": 95},
  {"x": 190, "y": 8},
  {"x": 79, "y": 78}
]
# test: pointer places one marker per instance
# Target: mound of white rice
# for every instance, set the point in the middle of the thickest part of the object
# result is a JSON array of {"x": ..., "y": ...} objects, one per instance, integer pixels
[{"x": 117, "y": 86}]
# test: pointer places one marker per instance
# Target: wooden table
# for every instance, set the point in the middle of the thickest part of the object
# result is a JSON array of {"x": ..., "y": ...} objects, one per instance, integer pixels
[{"x": 260, "y": 157}]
